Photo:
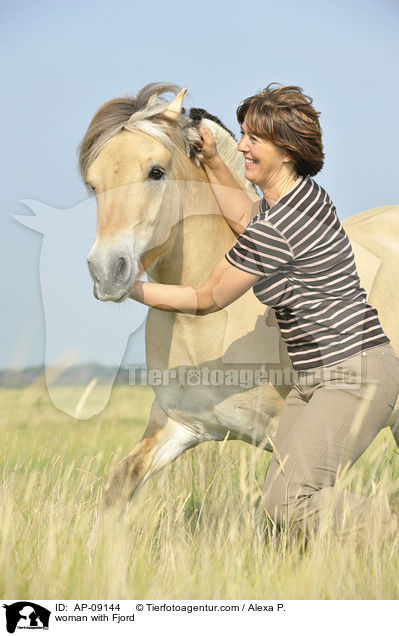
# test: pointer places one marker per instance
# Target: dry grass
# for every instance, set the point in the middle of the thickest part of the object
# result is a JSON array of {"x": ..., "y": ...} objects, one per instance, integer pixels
[{"x": 197, "y": 530}]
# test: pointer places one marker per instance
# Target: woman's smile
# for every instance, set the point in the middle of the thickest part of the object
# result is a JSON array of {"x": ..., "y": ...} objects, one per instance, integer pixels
[{"x": 250, "y": 162}]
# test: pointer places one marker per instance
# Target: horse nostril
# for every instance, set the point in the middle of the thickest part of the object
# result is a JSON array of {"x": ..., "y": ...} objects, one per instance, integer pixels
[
  {"x": 120, "y": 268},
  {"x": 93, "y": 274}
]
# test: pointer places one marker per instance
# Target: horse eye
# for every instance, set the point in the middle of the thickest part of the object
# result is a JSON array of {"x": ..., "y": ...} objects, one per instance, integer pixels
[
  {"x": 156, "y": 174},
  {"x": 91, "y": 188}
]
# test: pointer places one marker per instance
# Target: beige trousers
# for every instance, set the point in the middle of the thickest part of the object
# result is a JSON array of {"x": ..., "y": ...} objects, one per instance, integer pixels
[{"x": 330, "y": 417}]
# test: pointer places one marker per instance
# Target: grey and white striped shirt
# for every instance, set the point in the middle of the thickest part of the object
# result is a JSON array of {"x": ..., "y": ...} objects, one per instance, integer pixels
[{"x": 308, "y": 275}]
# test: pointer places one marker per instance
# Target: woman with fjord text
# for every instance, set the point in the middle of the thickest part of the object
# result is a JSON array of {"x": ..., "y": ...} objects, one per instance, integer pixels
[{"x": 292, "y": 249}]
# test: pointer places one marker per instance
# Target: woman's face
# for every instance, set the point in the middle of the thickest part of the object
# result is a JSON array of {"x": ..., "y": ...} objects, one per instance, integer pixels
[{"x": 264, "y": 162}]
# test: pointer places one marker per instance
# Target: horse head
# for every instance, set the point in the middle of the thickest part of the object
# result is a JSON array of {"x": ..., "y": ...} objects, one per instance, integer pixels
[{"x": 131, "y": 158}]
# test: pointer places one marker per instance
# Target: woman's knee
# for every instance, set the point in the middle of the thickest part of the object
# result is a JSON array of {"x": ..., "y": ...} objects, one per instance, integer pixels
[{"x": 284, "y": 503}]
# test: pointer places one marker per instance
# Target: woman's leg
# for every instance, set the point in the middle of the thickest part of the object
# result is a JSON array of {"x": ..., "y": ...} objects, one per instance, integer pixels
[{"x": 336, "y": 415}]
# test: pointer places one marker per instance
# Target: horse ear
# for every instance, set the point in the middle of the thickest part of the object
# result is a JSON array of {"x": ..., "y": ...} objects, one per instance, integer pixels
[{"x": 173, "y": 110}]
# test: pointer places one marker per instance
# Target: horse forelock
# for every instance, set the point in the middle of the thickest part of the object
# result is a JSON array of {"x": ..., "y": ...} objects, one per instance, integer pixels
[{"x": 132, "y": 113}]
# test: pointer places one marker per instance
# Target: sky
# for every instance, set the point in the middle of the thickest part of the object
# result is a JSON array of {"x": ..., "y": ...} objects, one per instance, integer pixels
[{"x": 60, "y": 60}]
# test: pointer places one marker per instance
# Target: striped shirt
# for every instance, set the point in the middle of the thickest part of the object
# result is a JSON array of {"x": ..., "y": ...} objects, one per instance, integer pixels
[{"x": 308, "y": 275}]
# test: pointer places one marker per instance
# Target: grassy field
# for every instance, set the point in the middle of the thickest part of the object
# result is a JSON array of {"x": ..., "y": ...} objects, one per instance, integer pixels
[{"x": 197, "y": 530}]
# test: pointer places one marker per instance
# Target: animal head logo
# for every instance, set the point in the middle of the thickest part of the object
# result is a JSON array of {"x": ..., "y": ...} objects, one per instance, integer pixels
[
  {"x": 76, "y": 323},
  {"x": 26, "y": 615}
]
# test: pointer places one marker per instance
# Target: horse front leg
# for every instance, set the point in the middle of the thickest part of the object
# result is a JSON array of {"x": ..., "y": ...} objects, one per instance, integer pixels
[{"x": 163, "y": 441}]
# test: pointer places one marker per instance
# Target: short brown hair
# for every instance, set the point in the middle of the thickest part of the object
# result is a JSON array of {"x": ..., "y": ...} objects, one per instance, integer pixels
[{"x": 286, "y": 117}]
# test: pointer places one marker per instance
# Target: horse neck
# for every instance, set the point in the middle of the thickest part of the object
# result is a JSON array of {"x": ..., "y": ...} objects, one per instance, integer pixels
[{"x": 203, "y": 235}]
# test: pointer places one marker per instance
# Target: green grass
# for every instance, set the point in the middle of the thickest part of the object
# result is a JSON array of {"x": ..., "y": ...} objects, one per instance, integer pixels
[{"x": 197, "y": 530}]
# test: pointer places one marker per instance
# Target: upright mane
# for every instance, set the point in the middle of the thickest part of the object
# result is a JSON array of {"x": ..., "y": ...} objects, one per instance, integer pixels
[{"x": 144, "y": 113}]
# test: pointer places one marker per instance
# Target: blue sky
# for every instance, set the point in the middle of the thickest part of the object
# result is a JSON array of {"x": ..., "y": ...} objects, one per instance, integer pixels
[{"x": 61, "y": 60}]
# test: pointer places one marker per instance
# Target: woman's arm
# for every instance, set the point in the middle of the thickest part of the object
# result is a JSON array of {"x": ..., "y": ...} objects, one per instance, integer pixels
[
  {"x": 225, "y": 284},
  {"x": 234, "y": 202}
]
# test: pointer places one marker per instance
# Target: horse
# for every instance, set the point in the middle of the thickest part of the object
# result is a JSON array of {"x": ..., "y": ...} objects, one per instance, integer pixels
[{"x": 215, "y": 377}]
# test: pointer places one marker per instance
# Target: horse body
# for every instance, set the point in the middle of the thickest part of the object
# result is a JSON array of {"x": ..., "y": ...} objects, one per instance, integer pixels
[
  {"x": 175, "y": 231},
  {"x": 374, "y": 237}
]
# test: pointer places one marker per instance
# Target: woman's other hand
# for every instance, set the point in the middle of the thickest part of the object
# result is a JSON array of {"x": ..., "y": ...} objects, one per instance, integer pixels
[{"x": 209, "y": 150}]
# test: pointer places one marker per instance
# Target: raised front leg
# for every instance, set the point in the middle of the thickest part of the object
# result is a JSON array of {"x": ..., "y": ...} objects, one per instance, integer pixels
[{"x": 163, "y": 441}]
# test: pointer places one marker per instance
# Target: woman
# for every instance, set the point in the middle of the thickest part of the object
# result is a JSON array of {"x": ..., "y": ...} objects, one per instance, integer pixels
[{"x": 294, "y": 252}]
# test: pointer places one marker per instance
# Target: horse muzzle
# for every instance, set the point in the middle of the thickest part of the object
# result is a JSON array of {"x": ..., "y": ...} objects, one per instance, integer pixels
[{"x": 113, "y": 273}]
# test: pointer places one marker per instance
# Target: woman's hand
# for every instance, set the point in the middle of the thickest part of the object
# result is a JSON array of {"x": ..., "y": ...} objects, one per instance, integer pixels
[
  {"x": 209, "y": 150},
  {"x": 234, "y": 202}
]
